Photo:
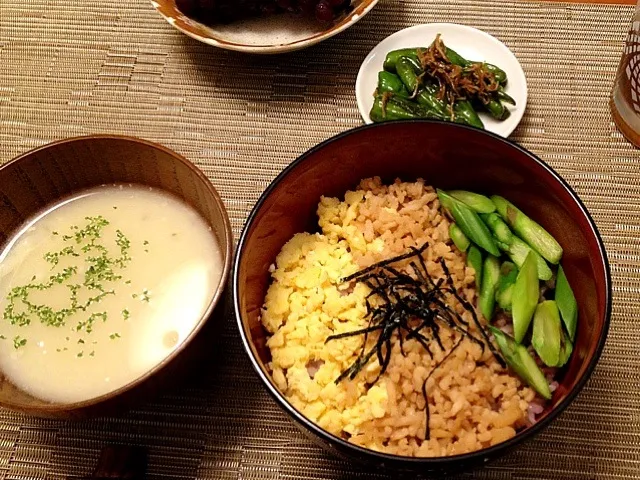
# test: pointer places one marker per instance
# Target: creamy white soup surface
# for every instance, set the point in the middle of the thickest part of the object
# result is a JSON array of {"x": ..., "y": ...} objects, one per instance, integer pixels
[{"x": 100, "y": 288}]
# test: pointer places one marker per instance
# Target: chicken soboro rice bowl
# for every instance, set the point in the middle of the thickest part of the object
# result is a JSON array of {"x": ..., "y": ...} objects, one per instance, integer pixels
[{"x": 413, "y": 387}]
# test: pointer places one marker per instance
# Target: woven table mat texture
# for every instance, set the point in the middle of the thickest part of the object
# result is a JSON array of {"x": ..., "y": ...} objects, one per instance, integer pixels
[{"x": 76, "y": 67}]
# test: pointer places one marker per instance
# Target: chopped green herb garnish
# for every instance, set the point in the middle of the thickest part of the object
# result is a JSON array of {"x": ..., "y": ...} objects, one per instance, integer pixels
[
  {"x": 145, "y": 295},
  {"x": 2, "y": 337},
  {"x": 113, "y": 336},
  {"x": 146, "y": 242},
  {"x": 125, "y": 314},
  {"x": 92, "y": 354},
  {"x": 89, "y": 282},
  {"x": 80, "y": 341},
  {"x": 80, "y": 354}
]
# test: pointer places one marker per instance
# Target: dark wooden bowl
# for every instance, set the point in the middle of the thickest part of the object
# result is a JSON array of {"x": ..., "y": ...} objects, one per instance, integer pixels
[
  {"x": 448, "y": 156},
  {"x": 55, "y": 171}
]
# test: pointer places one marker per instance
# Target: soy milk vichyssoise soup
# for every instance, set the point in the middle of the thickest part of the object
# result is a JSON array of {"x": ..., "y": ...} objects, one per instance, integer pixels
[{"x": 100, "y": 288}]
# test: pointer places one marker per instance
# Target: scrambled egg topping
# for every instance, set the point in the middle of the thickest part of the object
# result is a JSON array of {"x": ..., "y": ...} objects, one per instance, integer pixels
[{"x": 306, "y": 303}]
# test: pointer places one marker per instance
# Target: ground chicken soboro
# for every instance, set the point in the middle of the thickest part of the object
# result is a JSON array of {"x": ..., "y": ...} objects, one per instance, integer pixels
[{"x": 474, "y": 403}]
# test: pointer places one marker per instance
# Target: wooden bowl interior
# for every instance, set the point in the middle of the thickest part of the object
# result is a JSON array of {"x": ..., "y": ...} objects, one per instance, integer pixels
[
  {"x": 445, "y": 156},
  {"x": 47, "y": 175}
]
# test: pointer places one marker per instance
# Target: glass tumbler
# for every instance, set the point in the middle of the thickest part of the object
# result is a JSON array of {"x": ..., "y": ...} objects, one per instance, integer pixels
[{"x": 625, "y": 98}]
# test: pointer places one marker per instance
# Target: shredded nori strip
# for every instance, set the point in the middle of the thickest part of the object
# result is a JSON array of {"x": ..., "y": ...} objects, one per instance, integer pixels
[{"x": 405, "y": 299}]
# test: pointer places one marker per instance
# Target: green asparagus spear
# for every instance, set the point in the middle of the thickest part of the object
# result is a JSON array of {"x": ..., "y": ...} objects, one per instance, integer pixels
[
  {"x": 531, "y": 232},
  {"x": 525, "y": 297},
  {"x": 565, "y": 350},
  {"x": 515, "y": 248},
  {"x": 547, "y": 333},
  {"x": 460, "y": 240},
  {"x": 477, "y": 202},
  {"x": 566, "y": 303},
  {"x": 518, "y": 358},
  {"x": 474, "y": 260},
  {"x": 390, "y": 82},
  {"x": 518, "y": 251},
  {"x": 470, "y": 223},
  {"x": 504, "y": 289},
  {"x": 500, "y": 230},
  {"x": 490, "y": 277}
]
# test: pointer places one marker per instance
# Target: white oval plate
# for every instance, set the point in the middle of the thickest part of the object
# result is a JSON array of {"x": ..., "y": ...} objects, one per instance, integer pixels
[{"x": 471, "y": 43}]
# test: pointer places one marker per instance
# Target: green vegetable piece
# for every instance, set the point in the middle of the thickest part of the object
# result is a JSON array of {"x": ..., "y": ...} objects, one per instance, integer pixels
[
  {"x": 407, "y": 75},
  {"x": 456, "y": 59},
  {"x": 392, "y": 58},
  {"x": 504, "y": 97},
  {"x": 490, "y": 277},
  {"x": 465, "y": 113},
  {"x": 531, "y": 232},
  {"x": 474, "y": 260},
  {"x": 390, "y": 82},
  {"x": 470, "y": 223},
  {"x": 390, "y": 110},
  {"x": 497, "y": 110},
  {"x": 518, "y": 358},
  {"x": 525, "y": 297},
  {"x": 547, "y": 332},
  {"x": 432, "y": 102},
  {"x": 479, "y": 203},
  {"x": 565, "y": 350},
  {"x": 504, "y": 298},
  {"x": 460, "y": 240},
  {"x": 500, "y": 230},
  {"x": 567, "y": 304},
  {"x": 515, "y": 248},
  {"x": 504, "y": 289},
  {"x": 518, "y": 251}
]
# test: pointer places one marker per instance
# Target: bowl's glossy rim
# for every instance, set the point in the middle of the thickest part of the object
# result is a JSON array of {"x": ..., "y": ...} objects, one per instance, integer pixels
[
  {"x": 435, "y": 462},
  {"x": 215, "y": 300},
  {"x": 351, "y": 19}
]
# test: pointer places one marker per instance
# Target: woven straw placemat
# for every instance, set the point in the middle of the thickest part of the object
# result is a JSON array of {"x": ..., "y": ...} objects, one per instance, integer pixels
[{"x": 77, "y": 67}]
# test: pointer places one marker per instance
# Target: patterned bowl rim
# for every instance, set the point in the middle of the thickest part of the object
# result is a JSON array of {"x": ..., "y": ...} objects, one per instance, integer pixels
[{"x": 188, "y": 27}]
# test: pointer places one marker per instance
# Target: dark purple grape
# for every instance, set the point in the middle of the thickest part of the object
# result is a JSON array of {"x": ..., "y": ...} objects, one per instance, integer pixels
[
  {"x": 324, "y": 12},
  {"x": 216, "y": 11}
]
